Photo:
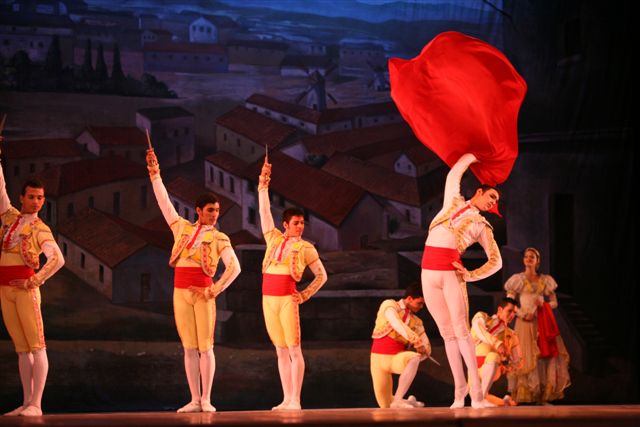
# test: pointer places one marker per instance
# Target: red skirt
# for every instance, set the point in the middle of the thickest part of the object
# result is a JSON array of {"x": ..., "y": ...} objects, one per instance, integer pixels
[{"x": 462, "y": 95}]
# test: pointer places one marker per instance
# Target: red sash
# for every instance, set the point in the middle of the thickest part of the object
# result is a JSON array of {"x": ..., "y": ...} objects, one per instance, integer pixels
[
  {"x": 13, "y": 272},
  {"x": 547, "y": 332},
  {"x": 186, "y": 277},
  {"x": 386, "y": 345},
  {"x": 480, "y": 360},
  {"x": 278, "y": 285},
  {"x": 434, "y": 258}
]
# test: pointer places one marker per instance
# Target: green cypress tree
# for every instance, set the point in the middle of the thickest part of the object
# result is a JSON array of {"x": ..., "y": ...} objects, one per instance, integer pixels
[
  {"x": 101, "y": 66},
  {"x": 53, "y": 63},
  {"x": 86, "y": 71},
  {"x": 117, "y": 76}
]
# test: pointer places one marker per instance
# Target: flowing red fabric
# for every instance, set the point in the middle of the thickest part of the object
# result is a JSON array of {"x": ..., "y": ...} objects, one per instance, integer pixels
[
  {"x": 462, "y": 95},
  {"x": 547, "y": 332}
]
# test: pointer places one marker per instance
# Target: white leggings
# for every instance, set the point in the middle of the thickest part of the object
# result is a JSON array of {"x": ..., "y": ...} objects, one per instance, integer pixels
[{"x": 446, "y": 300}]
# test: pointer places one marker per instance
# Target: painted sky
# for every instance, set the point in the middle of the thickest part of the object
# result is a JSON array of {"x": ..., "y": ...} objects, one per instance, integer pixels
[{"x": 365, "y": 10}]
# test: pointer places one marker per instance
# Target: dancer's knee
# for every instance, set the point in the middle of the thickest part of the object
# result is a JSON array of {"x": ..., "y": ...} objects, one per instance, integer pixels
[{"x": 295, "y": 352}]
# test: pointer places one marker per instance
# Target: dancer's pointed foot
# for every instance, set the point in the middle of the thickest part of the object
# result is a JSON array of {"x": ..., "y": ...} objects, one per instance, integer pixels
[
  {"x": 190, "y": 407},
  {"x": 207, "y": 406},
  {"x": 16, "y": 411},
  {"x": 31, "y": 411},
  {"x": 412, "y": 399}
]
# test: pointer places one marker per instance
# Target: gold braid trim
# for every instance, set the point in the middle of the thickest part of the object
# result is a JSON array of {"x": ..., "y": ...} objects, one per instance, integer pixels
[
  {"x": 45, "y": 272},
  {"x": 313, "y": 287},
  {"x": 494, "y": 256},
  {"x": 216, "y": 289},
  {"x": 455, "y": 204}
]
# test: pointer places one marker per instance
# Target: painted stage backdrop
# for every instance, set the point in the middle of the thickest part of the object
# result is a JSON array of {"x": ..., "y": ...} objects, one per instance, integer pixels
[{"x": 217, "y": 83}]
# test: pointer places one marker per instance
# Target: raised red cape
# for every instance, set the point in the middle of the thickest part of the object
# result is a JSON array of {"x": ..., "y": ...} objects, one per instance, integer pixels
[{"x": 462, "y": 95}]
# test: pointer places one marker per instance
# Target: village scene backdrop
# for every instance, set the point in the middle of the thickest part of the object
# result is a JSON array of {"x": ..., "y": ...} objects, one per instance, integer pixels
[{"x": 216, "y": 84}]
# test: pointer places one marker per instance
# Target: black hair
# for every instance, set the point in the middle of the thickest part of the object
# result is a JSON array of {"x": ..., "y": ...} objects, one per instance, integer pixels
[
  {"x": 204, "y": 199},
  {"x": 33, "y": 183},
  {"x": 505, "y": 301},
  {"x": 414, "y": 290},
  {"x": 486, "y": 187},
  {"x": 291, "y": 212}
]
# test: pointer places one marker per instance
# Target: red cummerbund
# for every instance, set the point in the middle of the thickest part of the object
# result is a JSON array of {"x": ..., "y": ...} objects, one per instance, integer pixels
[
  {"x": 278, "y": 285},
  {"x": 386, "y": 345},
  {"x": 434, "y": 258},
  {"x": 480, "y": 360},
  {"x": 13, "y": 272},
  {"x": 185, "y": 277}
]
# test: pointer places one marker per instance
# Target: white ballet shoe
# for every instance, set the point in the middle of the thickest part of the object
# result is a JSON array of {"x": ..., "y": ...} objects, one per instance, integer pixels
[
  {"x": 458, "y": 401},
  {"x": 412, "y": 399},
  {"x": 190, "y": 408},
  {"x": 457, "y": 404},
  {"x": 477, "y": 404},
  {"x": 207, "y": 406},
  {"x": 488, "y": 404},
  {"x": 16, "y": 411},
  {"x": 401, "y": 404},
  {"x": 31, "y": 411},
  {"x": 293, "y": 406},
  {"x": 281, "y": 406}
]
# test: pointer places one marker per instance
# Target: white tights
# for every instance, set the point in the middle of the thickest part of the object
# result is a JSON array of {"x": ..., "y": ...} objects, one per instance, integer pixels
[
  {"x": 200, "y": 368},
  {"x": 446, "y": 300},
  {"x": 291, "y": 368}
]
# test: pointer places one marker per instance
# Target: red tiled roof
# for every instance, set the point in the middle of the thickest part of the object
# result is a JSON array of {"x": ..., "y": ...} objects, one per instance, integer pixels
[
  {"x": 329, "y": 115},
  {"x": 75, "y": 176},
  {"x": 189, "y": 191},
  {"x": 294, "y": 110},
  {"x": 111, "y": 239},
  {"x": 383, "y": 182},
  {"x": 185, "y": 48},
  {"x": 157, "y": 223},
  {"x": 421, "y": 155},
  {"x": 395, "y": 146},
  {"x": 342, "y": 141},
  {"x": 227, "y": 162},
  {"x": 327, "y": 196},
  {"x": 418, "y": 154},
  {"x": 118, "y": 135},
  {"x": 26, "y": 148},
  {"x": 258, "y": 128}
]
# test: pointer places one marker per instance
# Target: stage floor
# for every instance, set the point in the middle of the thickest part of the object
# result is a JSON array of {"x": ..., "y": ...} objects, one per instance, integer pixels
[{"x": 523, "y": 416}]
